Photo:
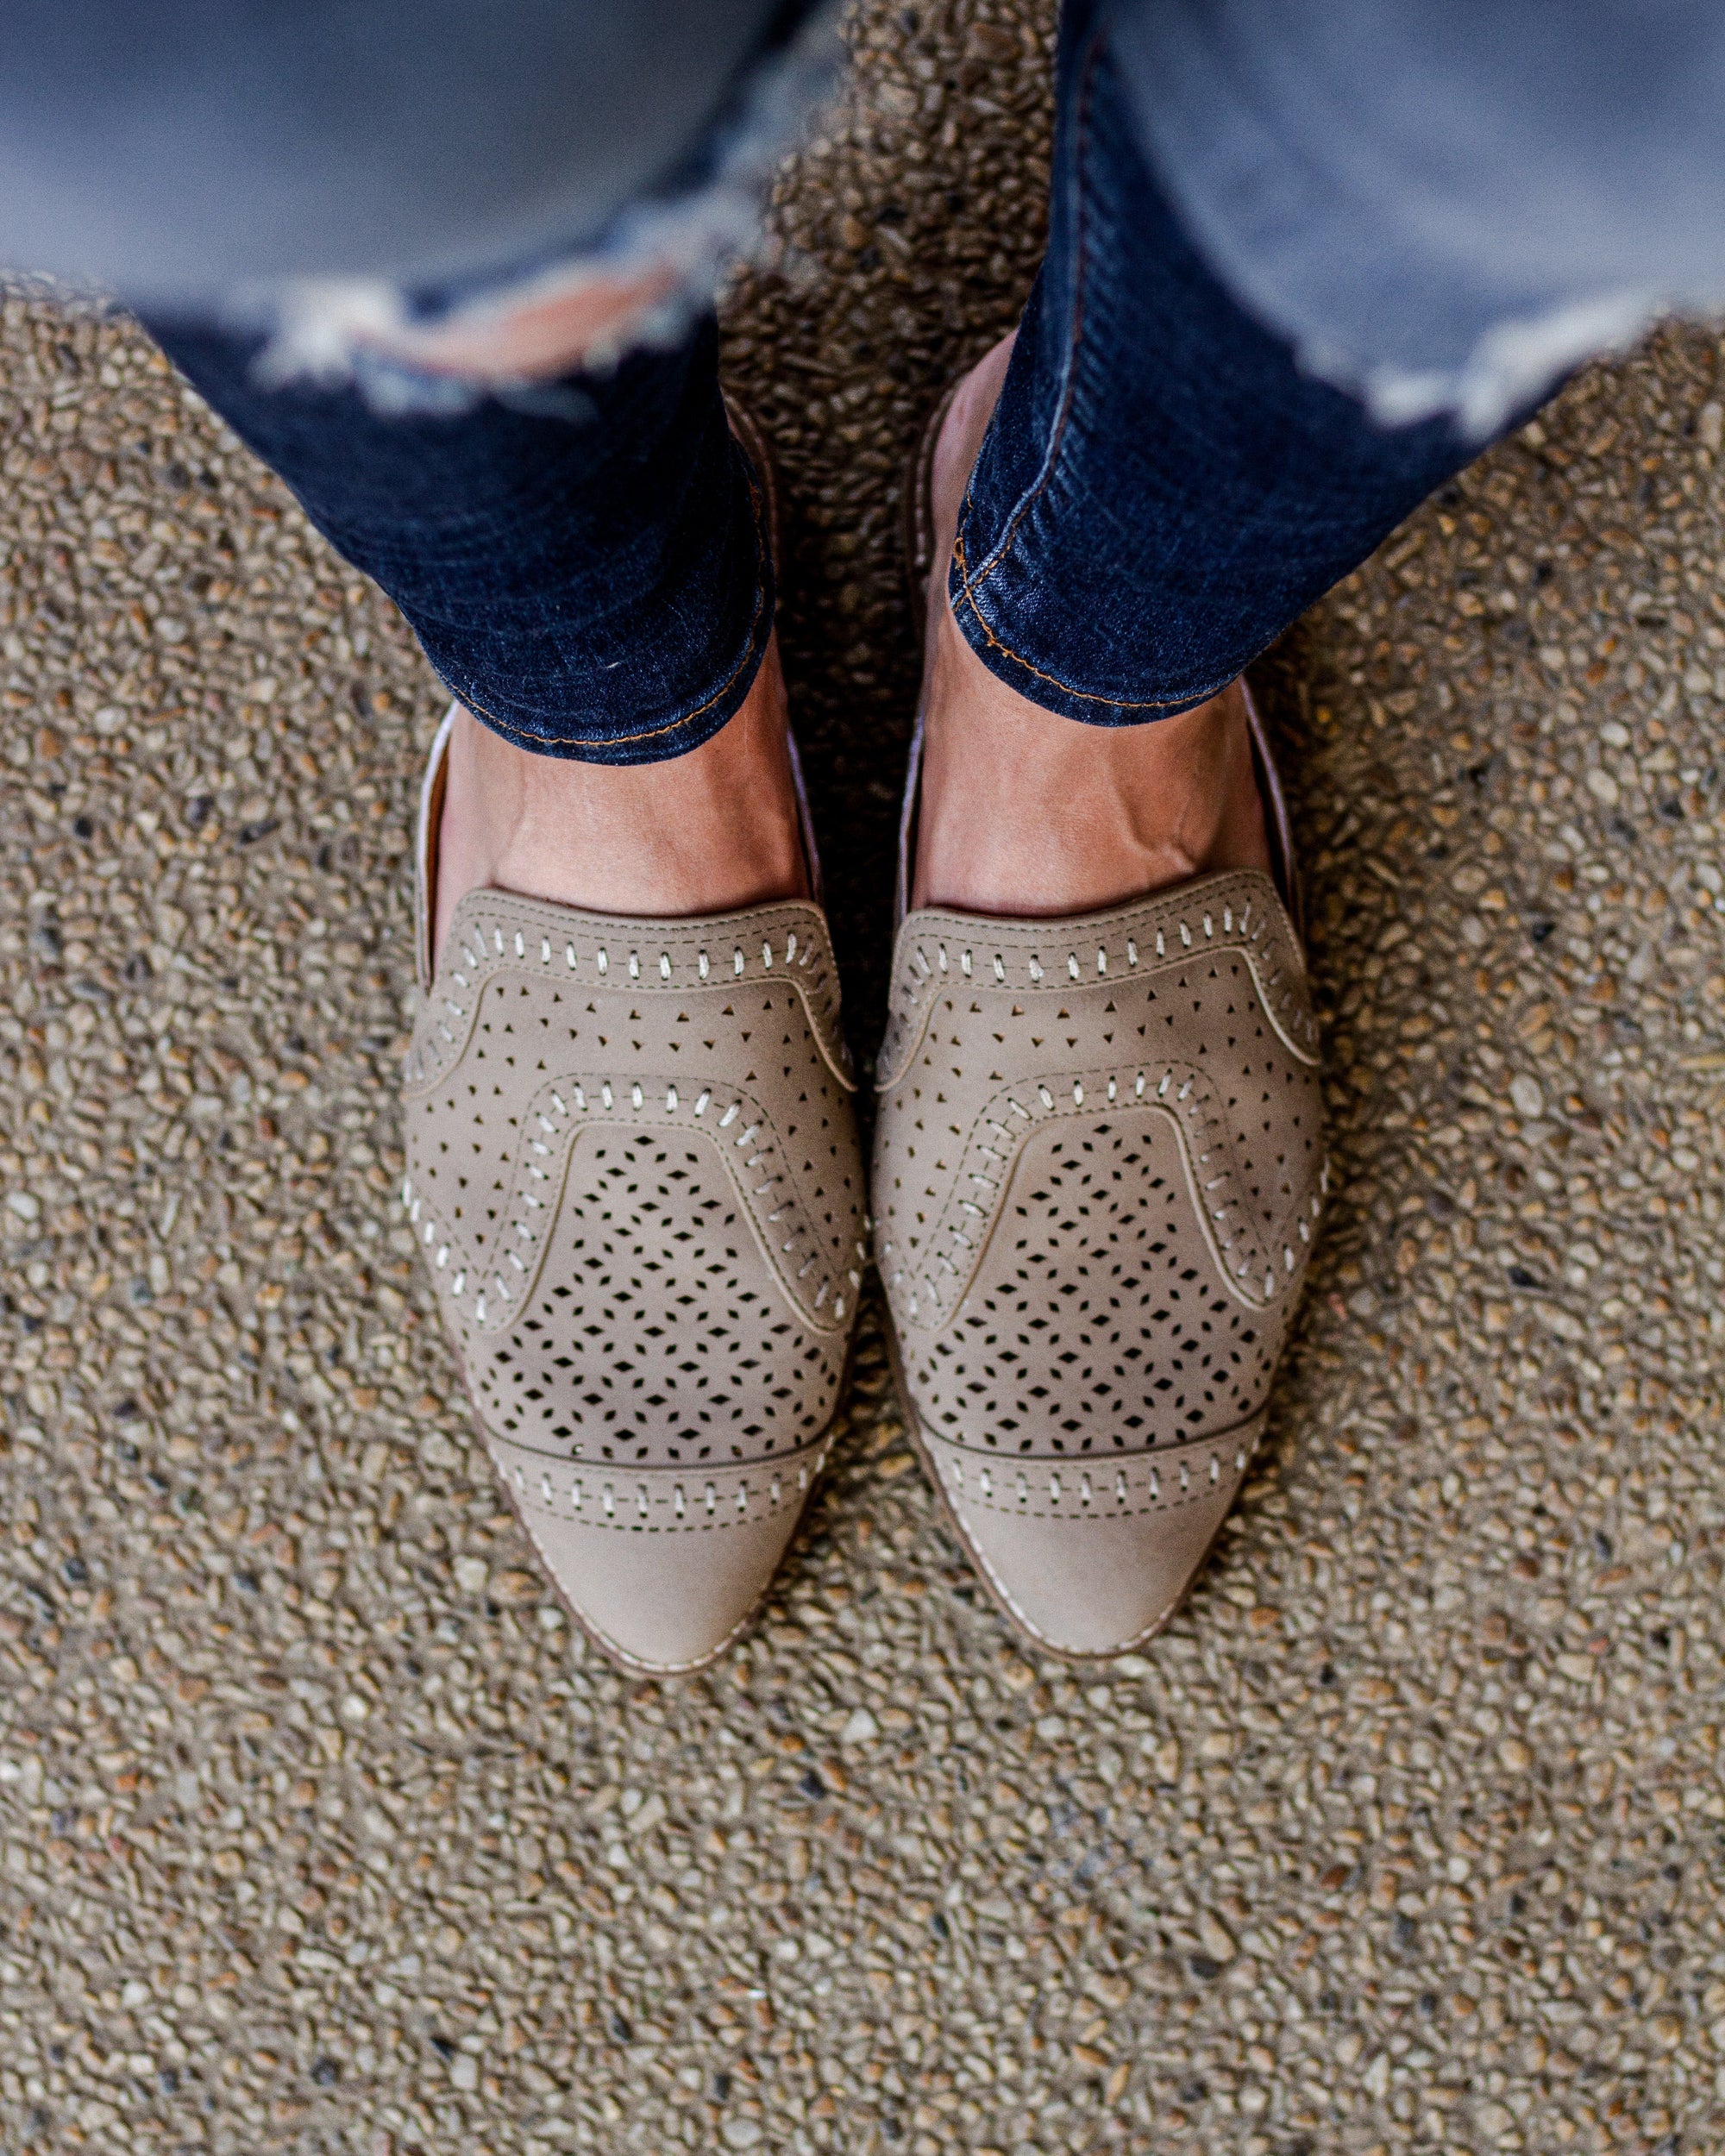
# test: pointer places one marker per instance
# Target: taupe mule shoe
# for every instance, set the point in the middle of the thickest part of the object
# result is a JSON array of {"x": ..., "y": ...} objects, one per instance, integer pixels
[
  {"x": 633, "y": 1172},
  {"x": 1097, "y": 1177}
]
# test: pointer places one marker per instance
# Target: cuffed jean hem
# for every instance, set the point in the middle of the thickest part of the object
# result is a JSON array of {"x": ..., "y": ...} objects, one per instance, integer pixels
[
  {"x": 590, "y": 575},
  {"x": 702, "y": 711},
  {"x": 997, "y": 646},
  {"x": 657, "y": 744}
]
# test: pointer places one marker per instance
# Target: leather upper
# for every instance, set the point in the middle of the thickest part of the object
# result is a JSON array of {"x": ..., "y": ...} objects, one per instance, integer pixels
[
  {"x": 633, "y": 1170},
  {"x": 1098, "y": 1174},
  {"x": 634, "y": 1175}
]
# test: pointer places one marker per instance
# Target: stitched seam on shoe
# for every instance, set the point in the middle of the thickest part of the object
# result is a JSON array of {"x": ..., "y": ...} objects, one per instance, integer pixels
[
  {"x": 1170, "y": 1454},
  {"x": 820, "y": 1014},
  {"x": 1098, "y": 1511},
  {"x": 891, "y": 1050},
  {"x": 771, "y": 1478},
  {"x": 901, "y": 1041},
  {"x": 1066, "y": 1111},
  {"x": 600, "y": 1114}
]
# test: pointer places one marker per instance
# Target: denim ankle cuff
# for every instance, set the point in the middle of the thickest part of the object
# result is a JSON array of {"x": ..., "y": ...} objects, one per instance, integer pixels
[
  {"x": 1034, "y": 676},
  {"x": 680, "y": 731},
  {"x": 590, "y": 571},
  {"x": 683, "y": 721}
]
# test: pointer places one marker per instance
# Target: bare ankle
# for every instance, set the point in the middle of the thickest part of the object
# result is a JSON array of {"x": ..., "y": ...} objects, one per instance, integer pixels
[
  {"x": 1025, "y": 811},
  {"x": 707, "y": 832}
]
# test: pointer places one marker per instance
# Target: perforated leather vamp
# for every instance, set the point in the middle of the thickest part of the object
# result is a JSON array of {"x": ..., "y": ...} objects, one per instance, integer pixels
[
  {"x": 634, "y": 1175},
  {"x": 1098, "y": 1172}
]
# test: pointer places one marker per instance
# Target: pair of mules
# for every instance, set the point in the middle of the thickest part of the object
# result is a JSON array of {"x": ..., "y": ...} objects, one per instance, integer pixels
[{"x": 635, "y": 1177}]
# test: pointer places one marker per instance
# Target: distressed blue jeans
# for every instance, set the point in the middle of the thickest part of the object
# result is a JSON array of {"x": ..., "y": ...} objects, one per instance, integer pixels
[
  {"x": 1270, "y": 218},
  {"x": 1163, "y": 491}
]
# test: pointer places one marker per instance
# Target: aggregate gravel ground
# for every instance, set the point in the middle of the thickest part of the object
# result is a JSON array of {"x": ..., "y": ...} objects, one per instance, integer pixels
[{"x": 319, "y": 1832}]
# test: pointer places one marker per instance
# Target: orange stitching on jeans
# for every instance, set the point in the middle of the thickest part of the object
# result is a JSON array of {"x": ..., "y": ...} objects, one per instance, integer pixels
[
  {"x": 533, "y": 743},
  {"x": 1089, "y": 696}
]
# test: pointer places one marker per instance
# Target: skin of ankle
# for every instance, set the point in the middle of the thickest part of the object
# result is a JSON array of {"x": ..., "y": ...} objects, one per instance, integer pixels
[
  {"x": 1023, "y": 812},
  {"x": 707, "y": 832}
]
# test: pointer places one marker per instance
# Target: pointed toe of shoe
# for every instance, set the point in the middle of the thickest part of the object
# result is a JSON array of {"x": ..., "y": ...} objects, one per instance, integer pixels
[
  {"x": 661, "y": 1570},
  {"x": 663, "y": 1604},
  {"x": 1085, "y": 1567}
]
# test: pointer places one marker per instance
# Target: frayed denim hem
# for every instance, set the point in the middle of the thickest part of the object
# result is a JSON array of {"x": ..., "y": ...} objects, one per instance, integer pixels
[{"x": 333, "y": 333}]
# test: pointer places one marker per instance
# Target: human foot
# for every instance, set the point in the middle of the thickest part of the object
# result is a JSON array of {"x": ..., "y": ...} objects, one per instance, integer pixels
[
  {"x": 702, "y": 833},
  {"x": 1098, "y": 1157},
  {"x": 632, "y": 1169},
  {"x": 1023, "y": 812}
]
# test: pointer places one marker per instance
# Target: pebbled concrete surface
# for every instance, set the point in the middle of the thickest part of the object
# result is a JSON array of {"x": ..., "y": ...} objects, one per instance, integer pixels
[{"x": 318, "y": 1831}]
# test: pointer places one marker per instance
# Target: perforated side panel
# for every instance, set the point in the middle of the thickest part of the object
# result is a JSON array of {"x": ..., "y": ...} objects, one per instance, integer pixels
[{"x": 1099, "y": 1169}]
